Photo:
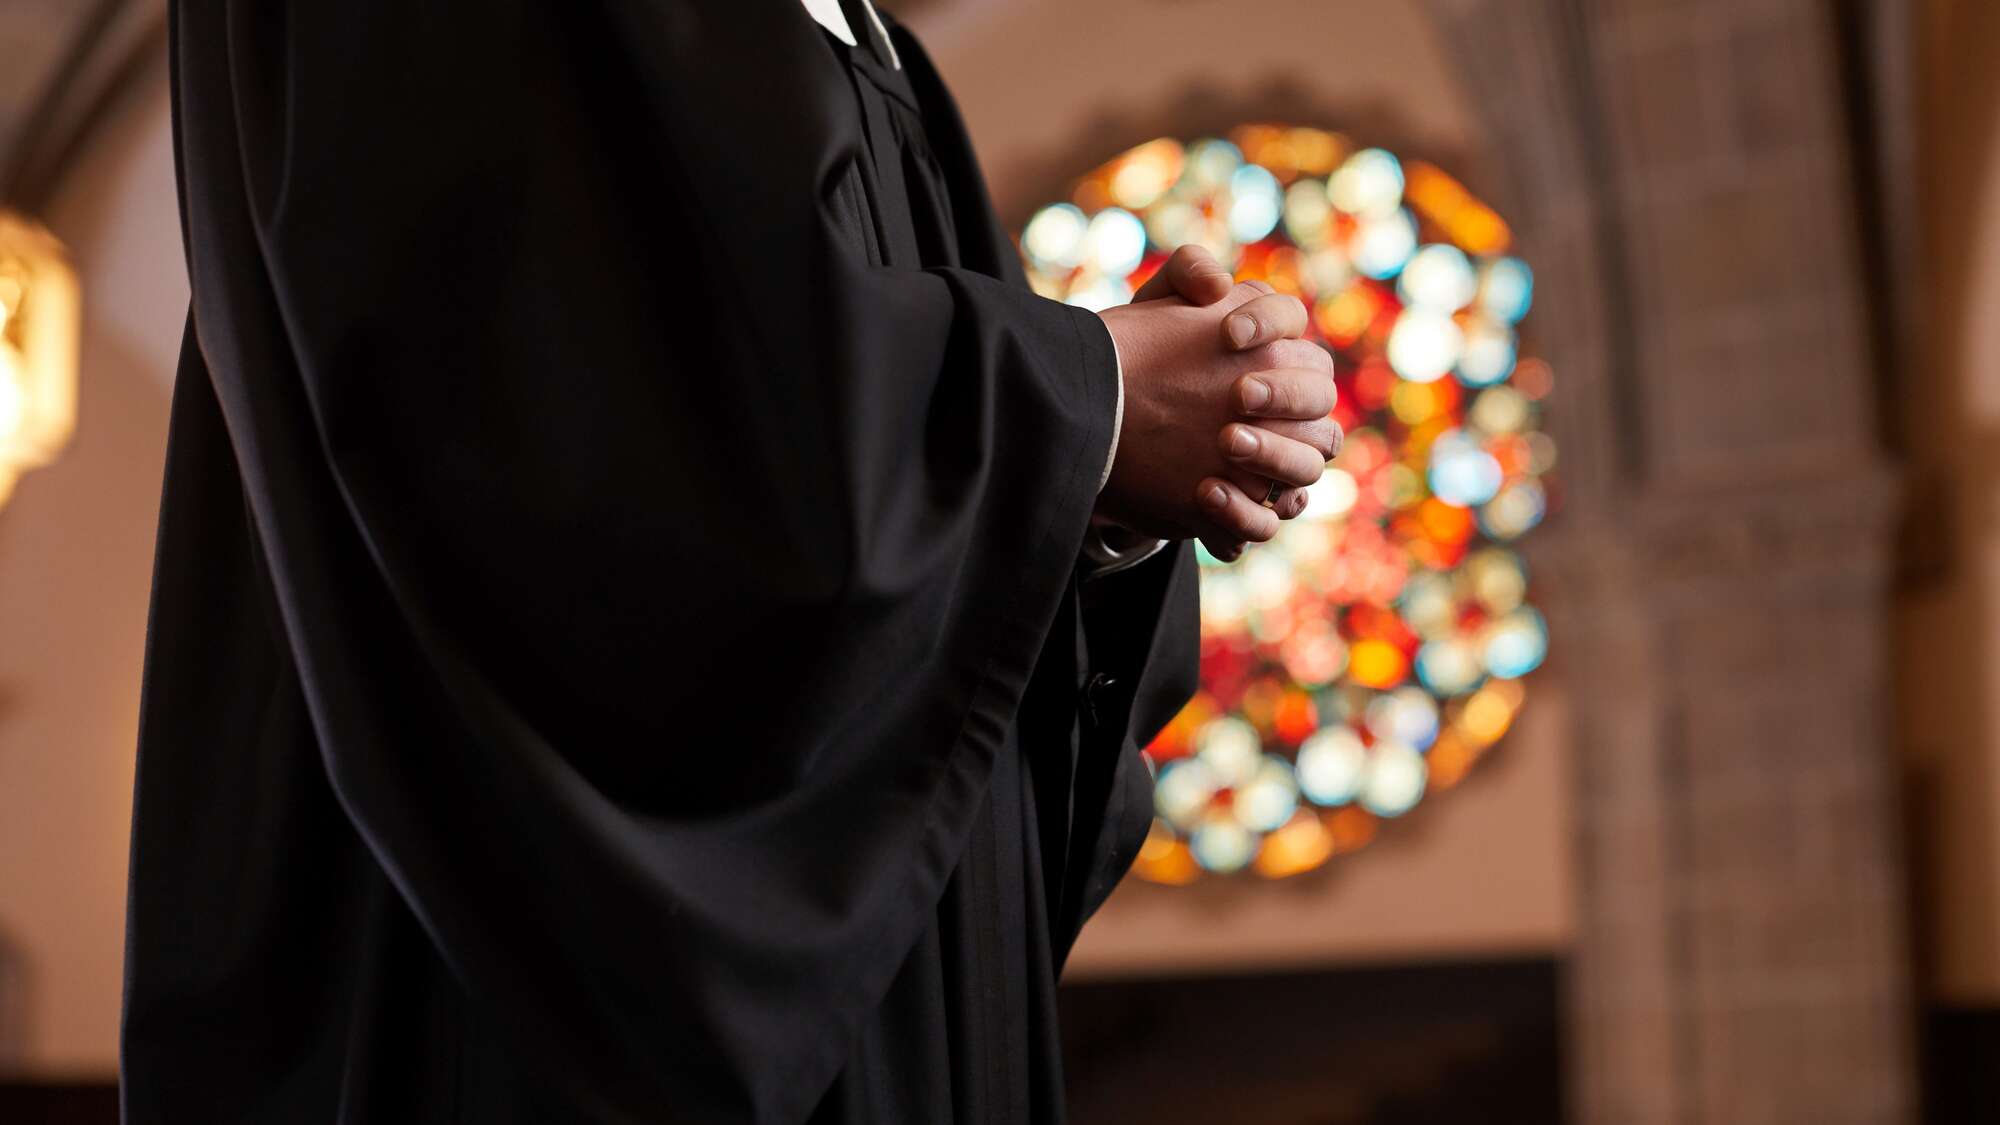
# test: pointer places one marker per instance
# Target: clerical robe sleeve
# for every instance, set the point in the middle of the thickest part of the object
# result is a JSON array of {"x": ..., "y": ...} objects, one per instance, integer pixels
[{"x": 661, "y": 575}]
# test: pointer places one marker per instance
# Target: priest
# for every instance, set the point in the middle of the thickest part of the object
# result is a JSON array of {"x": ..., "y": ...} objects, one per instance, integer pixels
[{"x": 653, "y": 621}]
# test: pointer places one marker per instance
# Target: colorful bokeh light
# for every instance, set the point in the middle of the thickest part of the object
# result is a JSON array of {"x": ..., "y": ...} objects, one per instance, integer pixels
[{"x": 1369, "y": 655}]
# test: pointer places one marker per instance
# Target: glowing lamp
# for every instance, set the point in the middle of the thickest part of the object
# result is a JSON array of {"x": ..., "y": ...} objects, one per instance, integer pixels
[{"x": 40, "y": 310}]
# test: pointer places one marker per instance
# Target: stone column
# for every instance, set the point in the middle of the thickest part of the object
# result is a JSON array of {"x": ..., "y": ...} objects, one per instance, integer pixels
[{"x": 1679, "y": 171}]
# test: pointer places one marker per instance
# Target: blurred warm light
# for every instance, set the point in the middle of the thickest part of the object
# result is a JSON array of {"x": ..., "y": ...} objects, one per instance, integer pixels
[
  {"x": 1164, "y": 859},
  {"x": 1369, "y": 655},
  {"x": 1302, "y": 844},
  {"x": 40, "y": 318},
  {"x": 1464, "y": 219},
  {"x": 1351, "y": 829},
  {"x": 1489, "y": 712},
  {"x": 1449, "y": 759},
  {"x": 1377, "y": 663}
]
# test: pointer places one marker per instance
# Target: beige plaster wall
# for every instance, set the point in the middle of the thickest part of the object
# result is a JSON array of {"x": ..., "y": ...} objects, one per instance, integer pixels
[{"x": 76, "y": 547}]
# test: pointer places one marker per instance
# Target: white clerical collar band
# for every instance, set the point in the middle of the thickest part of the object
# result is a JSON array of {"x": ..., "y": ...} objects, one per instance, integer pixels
[{"x": 829, "y": 16}]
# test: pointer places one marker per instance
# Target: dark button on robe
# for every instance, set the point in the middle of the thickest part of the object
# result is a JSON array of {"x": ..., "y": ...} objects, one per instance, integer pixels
[{"x": 619, "y": 645}]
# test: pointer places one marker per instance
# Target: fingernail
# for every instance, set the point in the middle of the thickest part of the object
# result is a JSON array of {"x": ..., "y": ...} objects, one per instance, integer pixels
[
  {"x": 1256, "y": 393},
  {"x": 1242, "y": 443},
  {"x": 1241, "y": 328},
  {"x": 1213, "y": 496}
]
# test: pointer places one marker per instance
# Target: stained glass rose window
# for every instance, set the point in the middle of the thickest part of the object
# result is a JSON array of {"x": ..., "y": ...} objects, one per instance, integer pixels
[{"x": 1369, "y": 655}]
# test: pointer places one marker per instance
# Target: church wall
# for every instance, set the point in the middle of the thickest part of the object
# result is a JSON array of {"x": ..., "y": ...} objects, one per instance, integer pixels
[{"x": 76, "y": 546}]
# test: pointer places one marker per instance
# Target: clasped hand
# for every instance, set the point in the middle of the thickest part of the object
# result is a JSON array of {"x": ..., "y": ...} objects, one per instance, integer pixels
[{"x": 1222, "y": 398}]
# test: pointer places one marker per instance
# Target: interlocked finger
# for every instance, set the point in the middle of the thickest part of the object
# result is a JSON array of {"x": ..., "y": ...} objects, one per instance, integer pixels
[
  {"x": 1264, "y": 320},
  {"x": 1234, "y": 514},
  {"x": 1288, "y": 501},
  {"x": 1268, "y": 455},
  {"x": 1297, "y": 394},
  {"x": 1190, "y": 273}
]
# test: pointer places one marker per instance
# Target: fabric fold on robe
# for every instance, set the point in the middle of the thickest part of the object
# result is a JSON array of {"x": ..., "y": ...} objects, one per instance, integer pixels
[{"x": 602, "y": 558}]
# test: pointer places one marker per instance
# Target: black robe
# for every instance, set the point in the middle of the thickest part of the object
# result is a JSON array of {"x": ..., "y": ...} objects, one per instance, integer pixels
[{"x": 620, "y": 651}]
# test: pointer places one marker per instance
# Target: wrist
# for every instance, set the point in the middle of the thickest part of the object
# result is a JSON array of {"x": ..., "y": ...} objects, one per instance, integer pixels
[{"x": 1115, "y": 535}]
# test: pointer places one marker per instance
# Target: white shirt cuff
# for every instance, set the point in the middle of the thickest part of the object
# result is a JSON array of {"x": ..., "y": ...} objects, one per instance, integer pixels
[
  {"x": 1106, "y": 557},
  {"x": 1117, "y": 417}
]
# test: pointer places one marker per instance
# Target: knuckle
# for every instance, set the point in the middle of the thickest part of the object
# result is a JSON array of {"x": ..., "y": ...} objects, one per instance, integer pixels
[
  {"x": 1268, "y": 356},
  {"x": 1279, "y": 427},
  {"x": 1315, "y": 393},
  {"x": 1324, "y": 439},
  {"x": 1302, "y": 431},
  {"x": 1321, "y": 395},
  {"x": 1295, "y": 354},
  {"x": 1308, "y": 356},
  {"x": 1297, "y": 393},
  {"x": 1305, "y": 467},
  {"x": 1240, "y": 394},
  {"x": 1284, "y": 395},
  {"x": 1285, "y": 312}
]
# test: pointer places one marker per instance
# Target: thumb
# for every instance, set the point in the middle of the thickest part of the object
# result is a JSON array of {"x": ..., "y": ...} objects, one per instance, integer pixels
[{"x": 1190, "y": 273}]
